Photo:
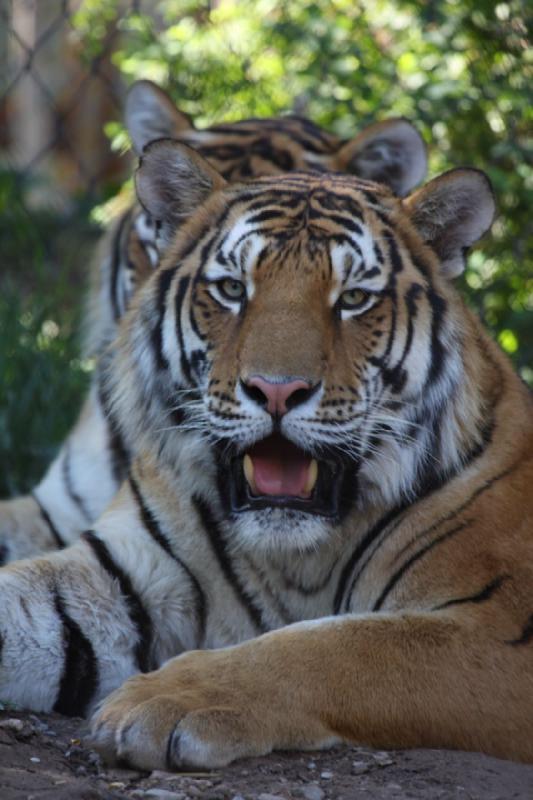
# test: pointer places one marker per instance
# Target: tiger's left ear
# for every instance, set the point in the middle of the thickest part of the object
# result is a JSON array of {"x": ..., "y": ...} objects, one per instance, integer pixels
[
  {"x": 451, "y": 213},
  {"x": 390, "y": 152},
  {"x": 172, "y": 181}
]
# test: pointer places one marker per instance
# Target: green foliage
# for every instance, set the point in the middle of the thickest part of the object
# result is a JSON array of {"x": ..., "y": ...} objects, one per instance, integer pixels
[{"x": 43, "y": 378}]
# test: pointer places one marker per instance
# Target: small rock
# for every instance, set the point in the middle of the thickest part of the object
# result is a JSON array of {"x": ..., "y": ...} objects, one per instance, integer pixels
[
  {"x": 312, "y": 792},
  {"x": 117, "y": 785},
  {"x": 267, "y": 796},
  {"x": 163, "y": 775},
  {"x": 360, "y": 767},
  {"x": 383, "y": 759},
  {"x": 119, "y": 774},
  {"x": 35, "y": 760},
  {"x": 12, "y": 724},
  {"x": 194, "y": 791},
  {"x": 326, "y": 775},
  {"x": 237, "y": 797},
  {"x": 311, "y": 765},
  {"x": 164, "y": 794}
]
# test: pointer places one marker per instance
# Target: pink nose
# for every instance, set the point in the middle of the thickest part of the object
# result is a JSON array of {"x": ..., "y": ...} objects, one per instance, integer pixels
[{"x": 278, "y": 398}]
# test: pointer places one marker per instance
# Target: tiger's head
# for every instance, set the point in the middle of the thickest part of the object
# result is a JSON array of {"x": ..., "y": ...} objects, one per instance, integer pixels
[
  {"x": 302, "y": 354},
  {"x": 391, "y": 152}
]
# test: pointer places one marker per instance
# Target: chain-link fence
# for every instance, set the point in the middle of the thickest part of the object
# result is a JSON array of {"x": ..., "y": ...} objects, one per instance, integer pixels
[
  {"x": 55, "y": 99},
  {"x": 58, "y": 91}
]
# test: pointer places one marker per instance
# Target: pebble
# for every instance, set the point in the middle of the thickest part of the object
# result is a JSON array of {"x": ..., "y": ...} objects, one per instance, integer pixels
[
  {"x": 326, "y": 775},
  {"x": 164, "y": 794},
  {"x": 383, "y": 759},
  {"x": 360, "y": 767},
  {"x": 35, "y": 760},
  {"x": 312, "y": 792},
  {"x": 267, "y": 796},
  {"x": 163, "y": 775},
  {"x": 39, "y": 724},
  {"x": 12, "y": 724},
  {"x": 237, "y": 797},
  {"x": 120, "y": 774},
  {"x": 311, "y": 765}
]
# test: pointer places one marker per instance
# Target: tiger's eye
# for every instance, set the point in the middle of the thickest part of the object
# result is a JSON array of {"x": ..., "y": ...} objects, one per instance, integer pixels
[
  {"x": 353, "y": 298},
  {"x": 231, "y": 289}
]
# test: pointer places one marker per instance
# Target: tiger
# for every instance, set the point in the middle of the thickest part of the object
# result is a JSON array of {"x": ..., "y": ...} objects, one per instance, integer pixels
[
  {"x": 326, "y": 532},
  {"x": 94, "y": 459}
]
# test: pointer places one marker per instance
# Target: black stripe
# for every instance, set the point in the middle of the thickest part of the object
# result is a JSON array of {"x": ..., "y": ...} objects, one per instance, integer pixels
[
  {"x": 452, "y": 514},
  {"x": 80, "y": 669},
  {"x": 478, "y": 597},
  {"x": 136, "y": 611},
  {"x": 117, "y": 449},
  {"x": 414, "y": 558},
  {"x": 72, "y": 493},
  {"x": 365, "y": 543},
  {"x": 115, "y": 265},
  {"x": 422, "y": 493},
  {"x": 438, "y": 353},
  {"x": 165, "y": 279},
  {"x": 526, "y": 636},
  {"x": 180, "y": 294},
  {"x": 60, "y": 542},
  {"x": 154, "y": 529},
  {"x": 216, "y": 539}
]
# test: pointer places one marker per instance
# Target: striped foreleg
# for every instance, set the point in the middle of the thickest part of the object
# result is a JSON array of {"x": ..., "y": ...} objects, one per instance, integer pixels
[{"x": 75, "y": 624}]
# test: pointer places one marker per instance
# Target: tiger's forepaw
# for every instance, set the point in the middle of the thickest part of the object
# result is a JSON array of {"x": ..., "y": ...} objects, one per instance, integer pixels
[{"x": 144, "y": 724}]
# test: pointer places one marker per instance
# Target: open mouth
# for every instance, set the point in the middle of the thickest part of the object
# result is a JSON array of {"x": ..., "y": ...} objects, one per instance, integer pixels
[{"x": 275, "y": 472}]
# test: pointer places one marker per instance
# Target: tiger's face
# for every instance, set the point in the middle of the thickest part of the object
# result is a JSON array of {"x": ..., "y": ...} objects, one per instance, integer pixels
[
  {"x": 313, "y": 334},
  {"x": 296, "y": 306}
]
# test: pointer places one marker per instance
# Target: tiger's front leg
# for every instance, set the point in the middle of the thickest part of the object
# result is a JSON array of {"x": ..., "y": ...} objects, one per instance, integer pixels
[
  {"x": 431, "y": 680},
  {"x": 75, "y": 624}
]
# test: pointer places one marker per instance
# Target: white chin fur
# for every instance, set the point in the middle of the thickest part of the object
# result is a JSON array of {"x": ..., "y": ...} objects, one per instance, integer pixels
[{"x": 278, "y": 530}]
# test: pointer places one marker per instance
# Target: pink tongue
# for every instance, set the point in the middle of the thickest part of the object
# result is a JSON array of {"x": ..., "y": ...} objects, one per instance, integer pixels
[{"x": 274, "y": 476}]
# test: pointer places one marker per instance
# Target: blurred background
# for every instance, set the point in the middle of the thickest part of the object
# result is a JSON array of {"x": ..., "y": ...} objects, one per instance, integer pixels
[{"x": 461, "y": 70}]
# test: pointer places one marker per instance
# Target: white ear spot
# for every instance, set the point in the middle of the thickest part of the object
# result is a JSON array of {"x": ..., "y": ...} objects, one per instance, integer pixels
[{"x": 451, "y": 213}]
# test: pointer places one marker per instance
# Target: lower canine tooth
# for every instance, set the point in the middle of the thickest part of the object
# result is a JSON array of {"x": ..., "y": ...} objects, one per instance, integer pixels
[
  {"x": 312, "y": 476},
  {"x": 249, "y": 472}
]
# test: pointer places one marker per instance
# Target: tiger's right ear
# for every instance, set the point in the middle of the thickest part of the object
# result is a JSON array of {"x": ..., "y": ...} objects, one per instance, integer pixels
[
  {"x": 150, "y": 114},
  {"x": 172, "y": 180}
]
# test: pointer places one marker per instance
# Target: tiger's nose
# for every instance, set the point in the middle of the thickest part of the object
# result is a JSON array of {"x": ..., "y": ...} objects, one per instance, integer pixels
[{"x": 279, "y": 396}]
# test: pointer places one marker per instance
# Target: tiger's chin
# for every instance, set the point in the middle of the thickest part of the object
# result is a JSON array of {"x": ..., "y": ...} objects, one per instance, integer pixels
[{"x": 276, "y": 530}]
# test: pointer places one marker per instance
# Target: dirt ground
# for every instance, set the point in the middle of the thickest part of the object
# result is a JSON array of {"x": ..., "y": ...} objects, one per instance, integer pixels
[{"x": 43, "y": 756}]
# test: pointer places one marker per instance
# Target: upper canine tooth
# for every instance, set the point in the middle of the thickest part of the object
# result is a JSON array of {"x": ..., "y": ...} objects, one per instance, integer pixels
[
  {"x": 312, "y": 476},
  {"x": 249, "y": 472}
]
